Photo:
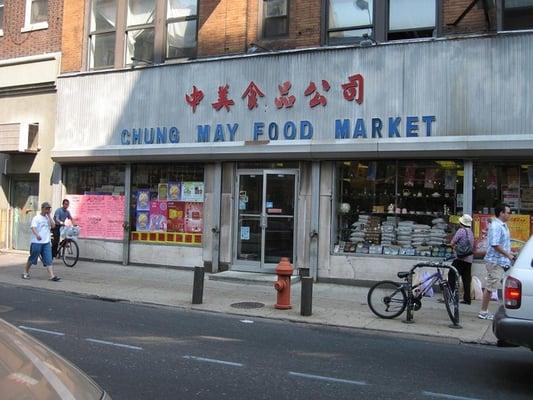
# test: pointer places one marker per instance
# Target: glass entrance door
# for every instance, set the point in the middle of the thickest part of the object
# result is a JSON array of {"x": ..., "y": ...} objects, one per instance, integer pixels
[
  {"x": 24, "y": 202},
  {"x": 266, "y": 205}
]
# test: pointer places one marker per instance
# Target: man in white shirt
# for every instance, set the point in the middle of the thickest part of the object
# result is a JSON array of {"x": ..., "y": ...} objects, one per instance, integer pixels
[{"x": 40, "y": 242}]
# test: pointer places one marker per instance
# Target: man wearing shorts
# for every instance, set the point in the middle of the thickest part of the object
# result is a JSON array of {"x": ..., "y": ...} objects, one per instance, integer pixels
[
  {"x": 498, "y": 258},
  {"x": 40, "y": 242}
]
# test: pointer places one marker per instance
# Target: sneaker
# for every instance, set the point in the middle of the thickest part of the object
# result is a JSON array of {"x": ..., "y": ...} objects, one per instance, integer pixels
[
  {"x": 485, "y": 315},
  {"x": 55, "y": 279},
  {"x": 25, "y": 276}
]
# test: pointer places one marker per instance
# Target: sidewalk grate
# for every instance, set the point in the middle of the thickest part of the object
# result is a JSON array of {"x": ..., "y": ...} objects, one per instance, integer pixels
[{"x": 247, "y": 305}]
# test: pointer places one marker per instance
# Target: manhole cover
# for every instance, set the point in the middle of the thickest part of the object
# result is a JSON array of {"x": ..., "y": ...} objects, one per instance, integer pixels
[{"x": 247, "y": 304}]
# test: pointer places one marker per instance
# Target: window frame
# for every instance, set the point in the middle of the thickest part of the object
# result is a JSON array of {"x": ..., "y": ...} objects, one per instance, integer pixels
[
  {"x": 91, "y": 34},
  {"x": 138, "y": 27},
  {"x": 355, "y": 39},
  {"x": 28, "y": 25},
  {"x": 425, "y": 28},
  {"x": 502, "y": 17},
  {"x": 173, "y": 20},
  {"x": 2, "y": 6},
  {"x": 379, "y": 27},
  {"x": 263, "y": 19}
]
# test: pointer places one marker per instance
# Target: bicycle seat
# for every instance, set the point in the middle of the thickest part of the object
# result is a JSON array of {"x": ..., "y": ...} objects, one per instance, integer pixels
[{"x": 403, "y": 274}]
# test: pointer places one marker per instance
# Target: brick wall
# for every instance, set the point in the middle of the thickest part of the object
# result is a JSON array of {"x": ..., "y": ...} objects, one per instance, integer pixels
[
  {"x": 473, "y": 22},
  {"x": 15, "y": 43},
  {"x": 72, "y": 37},
  {"x": 229, "y": 26}
]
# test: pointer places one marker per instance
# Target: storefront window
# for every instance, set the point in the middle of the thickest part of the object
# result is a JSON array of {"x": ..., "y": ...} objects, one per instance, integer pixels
[
  {"x": 96, "y": 195},
  {"x": 397, "y": 208},
  {"x": 167, "y": 203},
  {"x": 503, "y": 182}
]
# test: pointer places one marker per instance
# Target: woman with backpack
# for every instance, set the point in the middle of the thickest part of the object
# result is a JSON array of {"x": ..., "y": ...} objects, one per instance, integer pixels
[{"x": 463, "y": 244}]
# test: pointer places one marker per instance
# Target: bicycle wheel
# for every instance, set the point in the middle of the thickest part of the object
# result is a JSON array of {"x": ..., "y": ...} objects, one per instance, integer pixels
[
  {"x": 451, "y": 301},
  {"x": 70, "y": 253},
  {"x": 387, "y": 299}
]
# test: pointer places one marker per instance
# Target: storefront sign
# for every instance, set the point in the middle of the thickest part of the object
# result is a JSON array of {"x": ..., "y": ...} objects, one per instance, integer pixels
[
  {"x": 315, "y": 94},
  {"x": 376, "y": 128}
]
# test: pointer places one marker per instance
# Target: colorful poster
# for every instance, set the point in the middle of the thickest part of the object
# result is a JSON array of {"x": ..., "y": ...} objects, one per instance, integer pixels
[
  {"x": 143, "y": 200},
  {"x": 192, "y": 191},
  {"x": 519, "y": 227},
  {"x": 176, "y": 216},
  {"x": 142, "y": 221},
  {"x": 512, "y": 198},
  {"x": 194, "y": 217},
  {"x": 158, "y": 216},
  {"x": 174, "y": 191},
  {"x": 162, "y": 192},
  {"x": 98, "y": 216}
]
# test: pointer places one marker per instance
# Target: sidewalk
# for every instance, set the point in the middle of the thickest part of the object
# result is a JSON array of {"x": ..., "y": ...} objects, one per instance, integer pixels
[{"x": 335, "y": 305}]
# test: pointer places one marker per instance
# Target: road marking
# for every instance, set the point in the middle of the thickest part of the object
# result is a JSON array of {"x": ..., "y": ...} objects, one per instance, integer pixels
[
  {"x": 127, "y": 346},
  {"x": 247, "y": 321},
  {"x": 448, "y": 396},
  {"x": 211, "y": 360},
  {"x": 28, "y": 328},
  {"x": 327, "y": 378}
]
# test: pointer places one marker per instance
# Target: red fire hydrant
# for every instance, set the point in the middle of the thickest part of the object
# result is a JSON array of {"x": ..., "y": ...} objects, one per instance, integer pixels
[{"x": 283, "y": 284}]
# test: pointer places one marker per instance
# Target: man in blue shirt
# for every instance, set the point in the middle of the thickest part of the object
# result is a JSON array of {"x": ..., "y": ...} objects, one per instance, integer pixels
[
  {"x": 60, "y": 216},
  {"x": 498, "y": 258}
]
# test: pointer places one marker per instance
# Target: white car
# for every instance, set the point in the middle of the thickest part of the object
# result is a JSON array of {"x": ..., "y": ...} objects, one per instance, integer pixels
[
  {"x": 513, "y": 323},
  {"x": 30, "y": 370}
]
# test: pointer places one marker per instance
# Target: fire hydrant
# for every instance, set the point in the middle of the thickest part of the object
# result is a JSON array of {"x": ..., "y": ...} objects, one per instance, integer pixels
[{"x": 283, "y": 284}]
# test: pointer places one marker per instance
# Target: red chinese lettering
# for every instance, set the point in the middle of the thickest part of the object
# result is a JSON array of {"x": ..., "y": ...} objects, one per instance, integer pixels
[
  {"x": 354, "y": 89},
  {"x": 194, "y": 98},
  {"x": 223, "y": 100},
  {"x": 252, "y": 91},
  {"x": 284, "y": 100},
  {"x": 317, "y": 99}
]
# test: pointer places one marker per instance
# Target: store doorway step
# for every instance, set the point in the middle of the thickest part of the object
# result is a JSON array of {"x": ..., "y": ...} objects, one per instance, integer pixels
[{"x": 251, "y": 278}]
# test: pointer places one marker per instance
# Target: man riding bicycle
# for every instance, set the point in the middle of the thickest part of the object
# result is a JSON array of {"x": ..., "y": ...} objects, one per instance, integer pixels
[{"x": 60, "y": 218}]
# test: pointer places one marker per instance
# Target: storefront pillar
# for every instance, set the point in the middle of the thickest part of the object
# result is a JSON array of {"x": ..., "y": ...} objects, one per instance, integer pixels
[
  {"x": 315, "y": 218},
  {"x": 327, "y": 184},
  {"x": 215, "y": 217},
  {"x": 127, "y": 228},
  {"x": 468, "y": 185}
]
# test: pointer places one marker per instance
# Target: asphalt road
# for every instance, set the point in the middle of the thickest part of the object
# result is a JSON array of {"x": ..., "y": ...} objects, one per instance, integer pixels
[{"x": 143, "y": 352}]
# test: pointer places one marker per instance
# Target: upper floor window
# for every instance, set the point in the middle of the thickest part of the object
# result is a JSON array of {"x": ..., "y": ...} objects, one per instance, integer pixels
[
  {"x": 409, "y": 19},
  {"x": 1, "y": 17},
  {"x": 102, "y": 34},
  {"x": 182, "y": 21},
  {"x": 275, "y": 18},
  {"x": 140, "y": 31},
  {"x": 517, "y": 14},
  {"x": 349, "y": 20},
  {"x": 36, "y": 15}
]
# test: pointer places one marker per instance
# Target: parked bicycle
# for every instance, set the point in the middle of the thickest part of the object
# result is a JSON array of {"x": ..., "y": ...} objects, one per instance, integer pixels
[
  {"x": 388, "y": 299},
  {"x": 68, "y": 249}
]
